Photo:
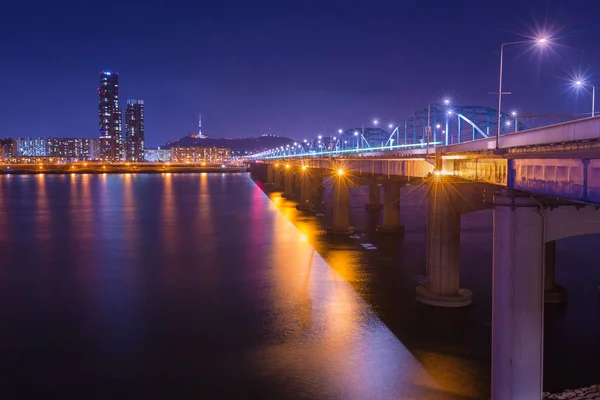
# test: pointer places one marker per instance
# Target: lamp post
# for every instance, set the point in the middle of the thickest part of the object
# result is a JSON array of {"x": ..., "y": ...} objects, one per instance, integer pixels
[
  {"x": 499, "y": 126},
  {"x": 428, "y": 132},
  {"x": 583, "y": 84}
]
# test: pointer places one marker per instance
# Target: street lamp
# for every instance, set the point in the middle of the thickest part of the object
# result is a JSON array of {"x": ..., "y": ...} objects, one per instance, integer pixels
[
  {"x": 428, "y": 133},
  {"x": 583, "y": 84},
  {"x": 541, "y": 41},
  {"x": 375, "y": 122},
  {"x": 516, "y": 115}
]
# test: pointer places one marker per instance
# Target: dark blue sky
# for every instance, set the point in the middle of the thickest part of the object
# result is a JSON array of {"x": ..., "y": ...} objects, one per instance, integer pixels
[{"x": 296, "y": 68}]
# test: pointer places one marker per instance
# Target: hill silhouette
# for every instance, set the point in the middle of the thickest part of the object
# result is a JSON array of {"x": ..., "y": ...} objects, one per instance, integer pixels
[{"x": 253, "y": 144}]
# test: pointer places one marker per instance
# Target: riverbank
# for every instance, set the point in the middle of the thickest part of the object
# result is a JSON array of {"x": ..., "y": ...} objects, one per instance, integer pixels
[
  {"x": 92, "y": 168},
  {"x": 590, "y": 392}
]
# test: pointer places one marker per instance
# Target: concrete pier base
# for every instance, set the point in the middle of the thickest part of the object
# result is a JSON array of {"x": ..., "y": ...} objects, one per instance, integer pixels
[
  {"x": 462, "y": 298},
  {"x": 374, "y": 197},
  {"x": 517, "y": 298},
  {"x": 391, "y": 210},
  {"x": 443, "y": 249},
  {"x": 553, "y": 293},
  {"x": 341, "y": 207}
]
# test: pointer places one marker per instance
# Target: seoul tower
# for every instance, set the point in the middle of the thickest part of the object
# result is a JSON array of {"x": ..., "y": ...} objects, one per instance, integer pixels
[{"x": 200, "y": 135}]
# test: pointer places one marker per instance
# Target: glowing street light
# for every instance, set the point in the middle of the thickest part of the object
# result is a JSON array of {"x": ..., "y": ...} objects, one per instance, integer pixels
[
  {"x": 583, "y": 84},
  {"x": 340, "y": 172},
  {"x": 375, "y": 121},
  {"x": 539, "y": 41},
  {"x": 516, "y": 115},
  {"x": 428, "y": 132},
  {"x": 390, "y": 126},
  {"x": 340, "y": 131}
]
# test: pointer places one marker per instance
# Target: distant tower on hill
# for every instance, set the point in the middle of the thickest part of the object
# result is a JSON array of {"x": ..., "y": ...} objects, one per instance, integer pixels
[{"x": 200, "y": 135}]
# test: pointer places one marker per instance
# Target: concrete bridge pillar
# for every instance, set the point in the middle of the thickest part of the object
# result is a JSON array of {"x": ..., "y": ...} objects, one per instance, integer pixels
[
  {"x": 278, "y": 177},
  {"x": 553, "y": 293},
  {"x": 306, "y": 190},
  {"x": 443, "y": 249},
  {"x": 517, "y": 298},
  {"x": 341, "y": 207},
  {"x": 270, "y": 175},
  {"x": 391, "y": 209},
  {"x": 374, "y": 197},
  {"x": 288, "y": 183}
]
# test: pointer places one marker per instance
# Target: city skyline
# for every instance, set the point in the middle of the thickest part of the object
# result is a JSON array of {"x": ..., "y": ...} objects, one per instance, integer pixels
[{"x": 260, "y": 81}]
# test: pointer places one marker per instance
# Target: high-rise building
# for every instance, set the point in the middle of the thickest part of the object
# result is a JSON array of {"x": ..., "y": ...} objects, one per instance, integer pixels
[
  {"x": 134, "y": 131},
  {"x": 109, "y": 117}
]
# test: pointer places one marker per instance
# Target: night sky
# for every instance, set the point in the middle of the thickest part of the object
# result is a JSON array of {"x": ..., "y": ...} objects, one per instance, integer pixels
[{"x": 295, "y": 68}]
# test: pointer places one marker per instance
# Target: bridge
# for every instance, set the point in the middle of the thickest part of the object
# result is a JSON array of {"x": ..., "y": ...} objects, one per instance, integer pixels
[{"x": 543, "y": 184}]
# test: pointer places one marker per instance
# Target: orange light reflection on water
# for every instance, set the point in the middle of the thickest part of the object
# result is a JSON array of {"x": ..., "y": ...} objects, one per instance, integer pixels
[
  {"x": 323, "y": 320},
  {"x": 314, "y": 295}
]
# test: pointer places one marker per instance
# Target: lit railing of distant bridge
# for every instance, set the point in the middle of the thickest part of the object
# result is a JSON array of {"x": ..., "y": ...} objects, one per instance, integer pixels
[
  {"x": 329, "y": 153},
  {"x": 440, "y": 124}
]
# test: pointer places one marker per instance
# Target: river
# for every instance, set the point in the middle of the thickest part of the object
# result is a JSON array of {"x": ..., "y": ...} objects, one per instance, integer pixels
[{"x": 204, "y": 286}]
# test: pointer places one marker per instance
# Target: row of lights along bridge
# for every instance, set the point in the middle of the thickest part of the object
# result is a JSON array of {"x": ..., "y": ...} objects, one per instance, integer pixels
[{"x": 355, "y": 140}]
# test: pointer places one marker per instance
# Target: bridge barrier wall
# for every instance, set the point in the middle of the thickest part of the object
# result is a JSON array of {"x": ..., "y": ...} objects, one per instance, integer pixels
[
  {"x": 583, "y": 129},
  {"x": 564, "y": 178},
  {"x": 418, "y": 168}
]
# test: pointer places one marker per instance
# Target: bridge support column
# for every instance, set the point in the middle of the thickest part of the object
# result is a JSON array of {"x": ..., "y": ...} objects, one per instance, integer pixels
[
  {"x": 443, "y": 249},
  {"x": 391, "y": 209},
  {"x": 288, "y": 184},
  {"x": 553, "y": 293},
  {"x": 270, "y": 175},
  {"x": 374, "y": 197},
  {"x": 341, "y": 207},
  {"x": 517, "y": 298},
  {"x": 277, "y": 177},
  {"x": 306, "y": 191}
]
